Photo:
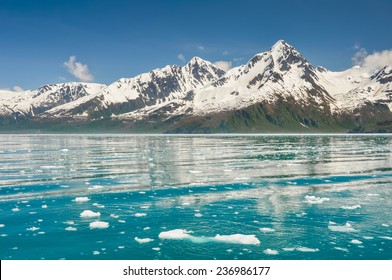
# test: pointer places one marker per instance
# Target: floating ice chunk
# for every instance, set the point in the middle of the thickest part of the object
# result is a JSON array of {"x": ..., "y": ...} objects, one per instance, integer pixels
[
  {"x": 146, "y": 228},
  {"x": 89, "y": 214},
  {"x": 99, "y": 225},
  {"x": 238, "y": 239},
  {"x": 121, "y": 247},
  {"x": 32, "y": 228},
  {"x": 351, "y": 207},
  {"x": 96, "y": 187},
  {"x": 143, "y": 240},
  {"x": 372, "y": 194},
  {"x": 96, "y": 253},
  {"x": 386, "y": 237},
  {"x": 44, "y": 206},
  {"x": 341, "y": 249},
  {"x": 346, "y": 228},
  {"x": 368, "y": 237},
  {"x": 266, "y": 229},
  {"x": 270, "y": 252},
  {"x": 140, "y": 215},
  {"x": 122, "y": 221},
  {"x": 16, "y": 209},
  {"x": 198, "y": 215},
  {"x": 315, "y": 199},
  {"x": 69, "y": 222},
  {"x": 356, "y": 241},
  {"x": 4, "y": 235},
  {"x": 41, "y": 232},
  {"x": 98, "y": 205},
  {"x": 176, "y": 234},
  {"x": 2, "y": 225},
  {"x": 385, "y": 225},
  {"x": 156, "y": 249},
  {"x": 114, "y": 216},
  {"x": 288, "y": 249},
  {"x": 71, "y": 228},
  {"x": 195, "y": 171},
  {"x": 82, "y": 199},
  {"x": 306, "y": 249}
]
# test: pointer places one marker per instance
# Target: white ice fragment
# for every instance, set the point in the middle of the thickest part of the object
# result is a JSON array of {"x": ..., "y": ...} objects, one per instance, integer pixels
[
  {"x": 146, "y": 228},
  {"x": 270, "y": 252},
  {"x": 266, "y": 229},
  {"x": 96, "y": 187},
  {"x": 71, "y": 228},
  {"x": 89, "y": 214},
  {"x": 315, "y": 200},
  {"x": 2, "y": 225},
  {"x": 176, "y": 234},
  {"x": 356, "y": 241},
  {"x": 41, "y": 232},
  {"x": 351, "y": 207},
  {"x": 122, "y": 221},
  {"x": 195, "y": 171},
  {"x": 16, "y": 209},
  {"x": 288, "y": 249},
  {"x": 140, "y": 215},
  {"x": 32, "y": 228},
  {"x": 99, "y": 225},
  {"x": 69, "y": 222},
  {"x": 306, "y": 249},
  {"x": 114, "y": 216},
  {"x": 98, "y": 205},
  {"x": 143, "y": 240},
  {"x": 82, "y": 199},
  {"x": 238, "y": 239},
  {"x": 96, "y": 253},
  {"x": 341, "y": 249},
  {"x": 386, "y": 237},
  {"x": 156, "y": 249},
  {"x": 121, "y": 247},
  {"x": 346, "y": 228},
  {"x": 368, "y": 237},
  {"x": 44, "y": 206},
  {"x": 385, "y": 225},
  {"x": 198, "y": 215}
]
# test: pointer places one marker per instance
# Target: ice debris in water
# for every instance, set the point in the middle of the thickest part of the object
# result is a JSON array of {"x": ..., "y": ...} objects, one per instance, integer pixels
[
  {"x": 301, "y": 249},
  {"x": 32, "y": 228},
  {"x": 44, "y": 206},
  {"x": 356, "y": 241},
  {"x": 143, "y": 240},
  {"x": 16, "y": 209},
  {"x": 89, "y": 214},
  {"x": 270, "y": 252},
  {"x": 386, "y": 237},
  {"x": 96, "y": 187},
  {"x": 70, "y": 228},
  {"x": 346, "y": 228},
  {"x": 266, "y": 229},
  {"x": 315, "y": 199},
  {"x": 341, "y": 249},
  {"x": 81, "y": 199},
  {"x": 99, "y": 225},
  {"x": 351, "y": 207},
  {"x": 140, "y": 215},
  {"x": 2, "y": 225},
  {"x": 181, "y": 234}
]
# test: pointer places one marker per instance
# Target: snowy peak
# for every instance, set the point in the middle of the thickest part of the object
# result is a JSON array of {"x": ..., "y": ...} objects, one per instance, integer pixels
[{"x": 383, "y": 76}]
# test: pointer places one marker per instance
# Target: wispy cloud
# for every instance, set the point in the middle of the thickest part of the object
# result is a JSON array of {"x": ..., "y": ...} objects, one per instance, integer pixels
[
  {"x": 201, "y": 48},
  {"x": 14, "y": 88},
  {"x": 372, "y": 62},
  {"x": 224, "y": 65},
  {"x": 359, "y": 56},
  {"x": 181, "y": 57},
  {"x": 78, "y": 70}
]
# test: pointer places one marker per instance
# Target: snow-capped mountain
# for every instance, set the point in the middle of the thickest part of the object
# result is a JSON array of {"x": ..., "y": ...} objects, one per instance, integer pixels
[{"x": 276, "y": 90}]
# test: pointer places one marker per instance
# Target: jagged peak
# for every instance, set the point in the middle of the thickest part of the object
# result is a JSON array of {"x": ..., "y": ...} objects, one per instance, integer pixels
[{"x": 197, "y": 60}]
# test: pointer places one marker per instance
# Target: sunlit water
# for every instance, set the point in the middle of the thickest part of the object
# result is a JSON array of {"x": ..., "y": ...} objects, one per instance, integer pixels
[{"x": 287, "y": 197}]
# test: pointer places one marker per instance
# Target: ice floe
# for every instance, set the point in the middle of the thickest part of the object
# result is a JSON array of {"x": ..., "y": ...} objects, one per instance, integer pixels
[
  {"x": 44, "y": 206},
  {"x": 351, "y": 207},
  {"x": 71, "y": 228},
  {"x": 82, "y": 199},
  {"x": 198, "y": 215},
  {"x": 341, "y": 249},
  {"x": 96, "y": 252},
  {"x": 2, "y": 225},
  {"x": 270, "y": 252},
  {"x": 98, "y": 205},
  {"x": 345, "y": 228},
  {"x": 96, "y": 187},
  {"x": 266, "y": 230},
  {"x": 98, "y": 224},
  {"x": 356, "y": 241},
  {"x": 300, "y": 249},
  {"x": 89, "y": 214},
  {"x": 16, "y": 209},
  {"x": 114, "y": 216},
  {"x": 143, "y": 240},
  {"x": 140, "y": 215},
  {"x": 386, "y": 237},
  {"x": 156, "y": 249},
  {"x": 32, "y": 228},
  {"x": 315, "y": 199},
  {"x": 181, "y": 234}
]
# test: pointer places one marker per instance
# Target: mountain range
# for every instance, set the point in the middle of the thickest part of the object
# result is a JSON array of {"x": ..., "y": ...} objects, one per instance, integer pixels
[{"x": 275, "y": 91}]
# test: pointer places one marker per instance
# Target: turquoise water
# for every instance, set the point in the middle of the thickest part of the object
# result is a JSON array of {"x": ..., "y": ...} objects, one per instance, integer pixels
[{"x": 195, "y": 197}]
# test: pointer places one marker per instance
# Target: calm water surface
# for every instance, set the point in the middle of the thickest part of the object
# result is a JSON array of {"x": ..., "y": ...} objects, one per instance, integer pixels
[{"x": 195, "y": 197}]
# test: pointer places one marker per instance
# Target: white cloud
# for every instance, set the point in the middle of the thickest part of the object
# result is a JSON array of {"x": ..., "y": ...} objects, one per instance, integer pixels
[
  {"x": 378, "y": 60},
  {"x": 181, "y": 57},
  {"x": 225, "y": 53},
  {"x": 224, "y": 65},
  {"x": 359, "y": 57},
  {"x": 201, "y": 48},
  {"x": 17, "y": 89},
  {"x": 78, "y": 70}
]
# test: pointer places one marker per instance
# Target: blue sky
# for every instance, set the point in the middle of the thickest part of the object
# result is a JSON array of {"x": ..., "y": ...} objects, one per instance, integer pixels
[{"x": 115, "y": 39}]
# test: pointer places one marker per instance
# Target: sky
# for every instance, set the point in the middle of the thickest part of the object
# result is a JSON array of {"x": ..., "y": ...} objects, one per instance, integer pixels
[{"x": 52, "y": 41}]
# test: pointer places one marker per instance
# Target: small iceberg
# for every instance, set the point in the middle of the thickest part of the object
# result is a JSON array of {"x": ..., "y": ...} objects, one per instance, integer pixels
[
  {"x": 311, "y": 199},
  {"x": 270, "y": 252},
  {"x": 346, "y": 228},
  {"x": 89, "y": 214},
  {"x": 351, "y": 207},
  {"x": 143, "y": 240},
  {"x": 82, "y": 199},
  {"x": 100, "y": 225}
]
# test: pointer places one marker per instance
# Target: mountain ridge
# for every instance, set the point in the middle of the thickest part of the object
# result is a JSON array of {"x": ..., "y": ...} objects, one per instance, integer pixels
[{"x": 276, "y": 90}]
